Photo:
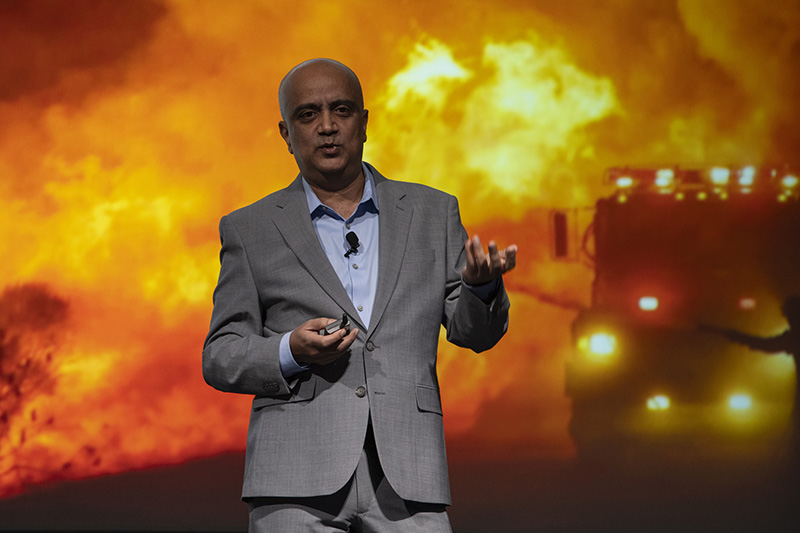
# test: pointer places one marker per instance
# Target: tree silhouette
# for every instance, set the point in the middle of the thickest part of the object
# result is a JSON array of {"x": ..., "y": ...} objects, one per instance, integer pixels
[
  {"x": 32, "y": 323},
  {"x": 787, "y": 342}
]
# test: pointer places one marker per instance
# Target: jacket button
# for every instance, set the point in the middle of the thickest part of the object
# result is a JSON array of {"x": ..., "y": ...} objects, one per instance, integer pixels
[
  {"x": 361, "y": 391},
  {"x": 370, "y": 346}
]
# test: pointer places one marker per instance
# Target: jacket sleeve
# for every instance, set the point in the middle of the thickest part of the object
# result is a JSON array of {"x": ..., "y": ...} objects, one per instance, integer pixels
[
  {"x": 470, "y": 323},
  {"x": 237, "y": 357}
]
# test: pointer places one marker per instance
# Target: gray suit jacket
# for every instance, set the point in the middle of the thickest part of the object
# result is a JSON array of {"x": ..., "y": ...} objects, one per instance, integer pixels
[{"x": 306, "y": 433}]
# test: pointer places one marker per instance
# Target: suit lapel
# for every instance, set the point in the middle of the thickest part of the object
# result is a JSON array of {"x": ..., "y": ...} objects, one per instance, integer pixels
[
  {"x": 394, "y": 222},
  {"x": 294, "y": 224}
]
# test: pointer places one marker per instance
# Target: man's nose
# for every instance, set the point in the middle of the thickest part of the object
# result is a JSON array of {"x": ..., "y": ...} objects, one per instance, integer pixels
[{"x": 327, "y": 123}]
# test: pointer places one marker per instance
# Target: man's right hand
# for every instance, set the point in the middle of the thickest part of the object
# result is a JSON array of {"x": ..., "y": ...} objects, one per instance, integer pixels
[{"x": 310, "y": 348}]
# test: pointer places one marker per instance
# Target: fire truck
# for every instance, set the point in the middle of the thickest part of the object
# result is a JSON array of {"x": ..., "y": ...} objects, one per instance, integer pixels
[{"x": 673, "y": 249}]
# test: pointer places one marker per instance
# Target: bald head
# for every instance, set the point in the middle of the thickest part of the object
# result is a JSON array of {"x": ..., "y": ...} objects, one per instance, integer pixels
[
  {"x": 324, "y": 123},
  {"x": 287, "y": 83}
]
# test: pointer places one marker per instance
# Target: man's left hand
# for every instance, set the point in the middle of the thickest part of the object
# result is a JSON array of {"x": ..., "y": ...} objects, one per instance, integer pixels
[{"x": 482, "y": 267}]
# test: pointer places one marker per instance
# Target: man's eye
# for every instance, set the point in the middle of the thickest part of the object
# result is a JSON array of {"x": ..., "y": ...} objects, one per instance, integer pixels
[
  {"x": 343, "y": 110},
  {"x": 306, "y": 115}
]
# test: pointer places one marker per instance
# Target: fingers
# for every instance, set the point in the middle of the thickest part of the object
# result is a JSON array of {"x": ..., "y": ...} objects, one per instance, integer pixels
[
  {"x": 334, "y": 346},
  {"x": 495, "y": 259},
  {"x": 483, "y": 267},
  {"x": 342, "y": 340},
  {"x": 510, "y": 255},
  {"x": 475, "y": 255},
  {"x": 309, "y": 347}
]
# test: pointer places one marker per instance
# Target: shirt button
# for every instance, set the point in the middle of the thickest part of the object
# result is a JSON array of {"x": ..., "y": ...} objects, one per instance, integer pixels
[
  {"x": 360, "y": 308},
  {"x": 347, "y": 226},
  {"x": 355, "y": 266},
  {"x": 370, "y": 346},
  {"x": 361, "y": 391}
]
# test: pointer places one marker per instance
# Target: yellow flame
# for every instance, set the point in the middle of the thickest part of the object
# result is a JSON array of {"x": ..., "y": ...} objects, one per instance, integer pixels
[
  {"x": 503, "y": 135},
  {"x": 431, "y": 67}
]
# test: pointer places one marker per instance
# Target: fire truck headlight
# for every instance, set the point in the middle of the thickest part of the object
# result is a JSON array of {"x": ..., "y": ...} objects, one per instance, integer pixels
[
  {"x": 598, "y": 345},
  {"x": 740, "y": 402},
  {"x": 659, "y": 402}
]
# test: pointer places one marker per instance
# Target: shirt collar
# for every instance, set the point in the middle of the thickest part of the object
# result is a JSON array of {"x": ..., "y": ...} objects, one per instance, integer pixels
[{"x": 369, "y": 201}]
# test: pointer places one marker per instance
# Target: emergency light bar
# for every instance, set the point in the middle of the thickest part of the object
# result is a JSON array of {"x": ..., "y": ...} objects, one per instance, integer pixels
[{"x": 703, "y": 183}]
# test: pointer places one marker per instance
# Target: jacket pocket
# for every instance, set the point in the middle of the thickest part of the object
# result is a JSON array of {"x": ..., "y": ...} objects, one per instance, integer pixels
[
  {"x": 428, "y": 399},
  {"x": 303, "y": 393}
]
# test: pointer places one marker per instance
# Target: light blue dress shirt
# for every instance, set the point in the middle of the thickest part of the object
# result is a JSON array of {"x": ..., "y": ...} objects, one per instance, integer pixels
[{"x": 358, "y": 272}]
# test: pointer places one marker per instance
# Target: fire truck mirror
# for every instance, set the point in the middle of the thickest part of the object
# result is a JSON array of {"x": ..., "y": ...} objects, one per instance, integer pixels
[{"x": 560, "y": 225}]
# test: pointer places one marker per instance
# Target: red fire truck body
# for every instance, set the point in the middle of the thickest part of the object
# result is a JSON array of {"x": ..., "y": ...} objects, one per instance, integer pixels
[{"x": 674, "y": 250}]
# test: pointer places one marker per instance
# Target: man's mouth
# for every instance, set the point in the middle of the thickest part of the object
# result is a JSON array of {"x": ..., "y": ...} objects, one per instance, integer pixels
[{"x": 329, "y": 148}]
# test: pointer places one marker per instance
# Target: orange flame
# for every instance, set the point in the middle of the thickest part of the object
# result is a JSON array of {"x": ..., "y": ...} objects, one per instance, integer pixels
[{"x": 140, "y": 123}]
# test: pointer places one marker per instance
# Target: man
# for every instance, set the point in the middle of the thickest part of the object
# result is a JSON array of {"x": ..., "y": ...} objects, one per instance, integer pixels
[{"x": 346, "y": 428}]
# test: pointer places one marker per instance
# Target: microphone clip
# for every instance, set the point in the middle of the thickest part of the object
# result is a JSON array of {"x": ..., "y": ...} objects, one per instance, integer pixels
[{"x": 352, "y": 240}]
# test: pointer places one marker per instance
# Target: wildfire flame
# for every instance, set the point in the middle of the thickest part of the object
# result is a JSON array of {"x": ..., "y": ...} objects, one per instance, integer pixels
[
  {"x": 131, "y": 127},
  {"x": 510, "y": 123}
]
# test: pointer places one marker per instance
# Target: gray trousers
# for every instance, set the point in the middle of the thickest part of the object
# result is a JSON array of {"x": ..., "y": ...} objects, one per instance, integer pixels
[{"x": 366, "y": 504}]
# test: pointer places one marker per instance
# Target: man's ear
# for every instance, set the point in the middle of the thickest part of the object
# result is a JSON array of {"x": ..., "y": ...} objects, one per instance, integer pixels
[{"x": 284, "y": 129}]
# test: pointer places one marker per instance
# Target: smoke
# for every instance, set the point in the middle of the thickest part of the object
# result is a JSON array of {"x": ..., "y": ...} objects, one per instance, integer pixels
[
  {"x": 758, "y": 45},
  {"x": 710, "y": 82},
  {"x": 59, "y": 54},
  {"x": 75, "y": 46}
]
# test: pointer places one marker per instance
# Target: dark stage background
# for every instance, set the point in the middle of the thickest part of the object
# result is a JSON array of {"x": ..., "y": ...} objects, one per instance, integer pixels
[{"x": 128, "y": 128}]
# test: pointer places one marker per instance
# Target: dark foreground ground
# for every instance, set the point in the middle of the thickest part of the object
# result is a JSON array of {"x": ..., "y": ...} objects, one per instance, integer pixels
[{"x": 514, "y": 496}]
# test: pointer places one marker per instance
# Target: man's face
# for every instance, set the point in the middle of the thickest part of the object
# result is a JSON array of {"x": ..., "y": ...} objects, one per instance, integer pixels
[{"x": 325, "y": 126}]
